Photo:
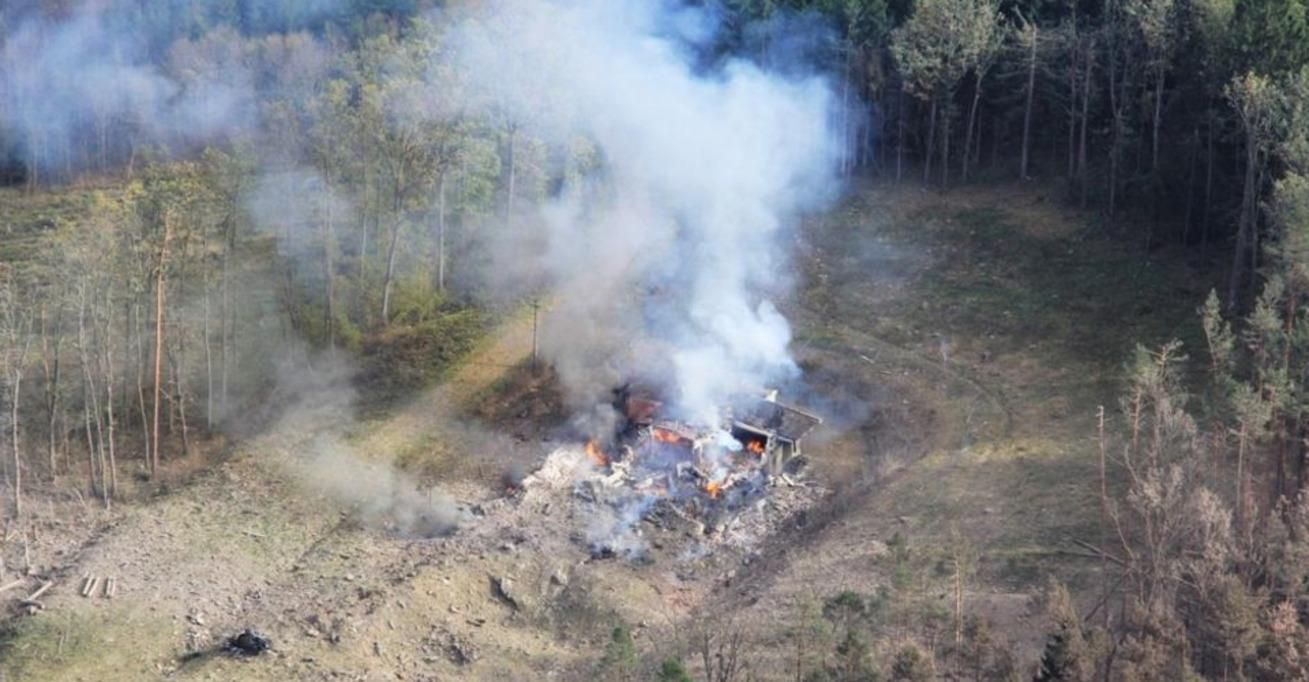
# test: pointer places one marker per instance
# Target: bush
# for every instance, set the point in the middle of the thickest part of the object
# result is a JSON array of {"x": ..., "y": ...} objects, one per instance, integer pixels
[
  {"x": 672, "y": 670},
  {"x": 407, "y": 357},
  {"x": 619, "y": 661}
]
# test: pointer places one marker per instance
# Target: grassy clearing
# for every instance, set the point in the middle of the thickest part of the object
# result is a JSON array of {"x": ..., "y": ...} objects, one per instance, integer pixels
[
  {"x": 1003, "y": 322},
  {"x": 107, "y": 644}
]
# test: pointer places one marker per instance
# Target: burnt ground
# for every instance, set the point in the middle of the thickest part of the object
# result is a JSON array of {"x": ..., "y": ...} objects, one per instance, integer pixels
[{"x": 957, "y": 343}]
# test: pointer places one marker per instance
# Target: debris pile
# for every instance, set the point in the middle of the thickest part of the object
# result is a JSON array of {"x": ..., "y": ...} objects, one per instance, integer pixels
[{"x": 726, "y": 483}]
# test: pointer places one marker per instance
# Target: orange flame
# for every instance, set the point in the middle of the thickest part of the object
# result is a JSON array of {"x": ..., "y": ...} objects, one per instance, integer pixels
[
  {"x": 598, "y": 457},
  {"x": 755, "y": 446},
  {"x": 666, "y": 436},
  {"x": 713, "y": 489}
]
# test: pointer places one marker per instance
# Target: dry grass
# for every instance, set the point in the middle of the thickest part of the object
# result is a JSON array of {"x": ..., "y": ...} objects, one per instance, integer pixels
[
  {"x": 958, "y": 343},
  {"x": 1004, "y": 320}
]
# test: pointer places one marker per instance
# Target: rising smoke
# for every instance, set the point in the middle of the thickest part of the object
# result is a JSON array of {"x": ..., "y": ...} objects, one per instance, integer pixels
[
  {"x": 677, "y": 240},
  {"x": 663, "y": 256}
]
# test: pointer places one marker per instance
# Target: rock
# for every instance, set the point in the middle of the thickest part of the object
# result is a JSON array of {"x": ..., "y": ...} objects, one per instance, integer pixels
[{"x": 503, "y": 588}]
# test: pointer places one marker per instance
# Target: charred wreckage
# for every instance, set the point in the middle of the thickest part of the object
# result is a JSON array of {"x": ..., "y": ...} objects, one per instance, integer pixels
[{"x": 654, "y": 468}]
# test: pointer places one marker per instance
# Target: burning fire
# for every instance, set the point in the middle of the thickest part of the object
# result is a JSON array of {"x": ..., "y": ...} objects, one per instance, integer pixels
[
  {"x": 713, "y": 489},
  {"x": 666, "y": 436},
  {"x": 755, "y": 446},
  {"x": 598, "y": 457}
]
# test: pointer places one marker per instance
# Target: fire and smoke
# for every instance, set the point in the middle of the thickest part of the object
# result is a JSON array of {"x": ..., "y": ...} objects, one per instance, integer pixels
[{"x": 678, "y": 236}]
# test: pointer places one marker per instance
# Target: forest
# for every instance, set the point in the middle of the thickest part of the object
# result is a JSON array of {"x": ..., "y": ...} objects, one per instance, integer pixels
[{"x": 208, "y": 206}]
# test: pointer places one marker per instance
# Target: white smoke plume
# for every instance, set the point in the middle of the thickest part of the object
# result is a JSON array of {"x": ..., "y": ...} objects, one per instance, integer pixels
[{"x": 678, "y": 239}]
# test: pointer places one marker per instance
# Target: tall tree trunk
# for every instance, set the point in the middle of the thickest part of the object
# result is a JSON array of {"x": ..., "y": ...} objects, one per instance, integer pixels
[
  {"x": 225, "y": 325},
  {"x": 1116, "y": 108},
  {"x": 88, "y": 390},
  {"x": 138, "y": 326},
  {"x": 209, "y": 356},
  {"x": 1245, "y": 225},
  {"x": 17, "y": 381},
  {"x": 1208, "y": 181},
  {"x": 110, "y": 418},
  {"x": 363, "y": 235},
  {"x": 1027, "y": 107},
  {"x": 972, "y": 118},
  {"x": 931, "y": 139},
  {"x": 1157, "y": 120},
  {"x": 1253, "y": 272},
  {"x": 997, "y": 126},
  {"x": 176, "y": 364},
  {"x": 1192, "y": 162},
  {"x": 899, "y": 136},
  {"x": 329, "y": 274},
  {"x": 90, "y": 362},
  {"x": 440, "y": 236},
  {"x": 945, "y": 143},
  {"x": 90, "y": 439},
  {"x": 1086, "y": 101},
  {"x": 1074, "y": 73},
  {"x": 159, "y": 342},
  {"x": 51, "y": 370},
  {"x": 845, "y": 115},
  {"x": 390, "y": 262},
  {"x": 513, "y": 175}
]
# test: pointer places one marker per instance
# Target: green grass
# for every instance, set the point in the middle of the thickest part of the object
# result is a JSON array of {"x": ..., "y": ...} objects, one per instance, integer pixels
[
  {"x": 1038, "y": 311},
  {"x": 105, "y": 644}
]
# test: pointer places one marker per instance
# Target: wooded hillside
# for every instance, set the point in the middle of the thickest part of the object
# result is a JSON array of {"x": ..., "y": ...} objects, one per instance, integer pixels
[{"x": 191, "y": 191}]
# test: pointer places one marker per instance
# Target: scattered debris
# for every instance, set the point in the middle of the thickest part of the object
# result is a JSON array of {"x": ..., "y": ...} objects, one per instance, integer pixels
[
  {"x": 461, "y": 651},
  {"x": 31, "y": 603},
  {"x": 248, "y": 643}
]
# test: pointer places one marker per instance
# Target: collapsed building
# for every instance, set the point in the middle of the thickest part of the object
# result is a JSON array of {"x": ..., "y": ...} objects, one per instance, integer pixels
[
  {"x": 764, "y": 427},
  {"x": 664, "y": 472}
]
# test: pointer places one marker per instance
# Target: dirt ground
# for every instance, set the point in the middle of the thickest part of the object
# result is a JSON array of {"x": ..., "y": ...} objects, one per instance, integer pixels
[{"x": 958, "y": 345}]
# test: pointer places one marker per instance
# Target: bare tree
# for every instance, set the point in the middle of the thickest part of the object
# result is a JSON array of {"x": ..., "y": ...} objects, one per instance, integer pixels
[{"x": 15, "y": 343}]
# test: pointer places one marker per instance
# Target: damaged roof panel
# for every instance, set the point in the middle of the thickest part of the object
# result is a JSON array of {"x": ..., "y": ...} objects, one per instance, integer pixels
[{"x": 784, "y": 421}]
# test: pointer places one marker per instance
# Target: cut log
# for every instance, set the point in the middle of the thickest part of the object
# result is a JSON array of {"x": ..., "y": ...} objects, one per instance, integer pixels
[
  {"x": 10, "y": 586},
  {"x": 90, "y": 585},
  {"x": 39, "y": 591},
  {"x": 111, "y": 587}
]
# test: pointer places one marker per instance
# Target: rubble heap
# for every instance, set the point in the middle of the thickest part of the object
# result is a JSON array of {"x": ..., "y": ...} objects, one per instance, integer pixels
[{"x": 728, "y": 482}]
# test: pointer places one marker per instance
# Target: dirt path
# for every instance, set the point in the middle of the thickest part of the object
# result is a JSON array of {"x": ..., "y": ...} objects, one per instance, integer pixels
[{"x": 432, "y": 436}]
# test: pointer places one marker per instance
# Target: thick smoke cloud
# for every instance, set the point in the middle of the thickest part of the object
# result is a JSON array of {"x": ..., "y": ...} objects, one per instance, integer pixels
[{"x": 679, "y": 237}]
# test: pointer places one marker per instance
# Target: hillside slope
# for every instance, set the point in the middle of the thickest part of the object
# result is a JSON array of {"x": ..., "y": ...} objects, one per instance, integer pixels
[{"x": 959, "y": 345}]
